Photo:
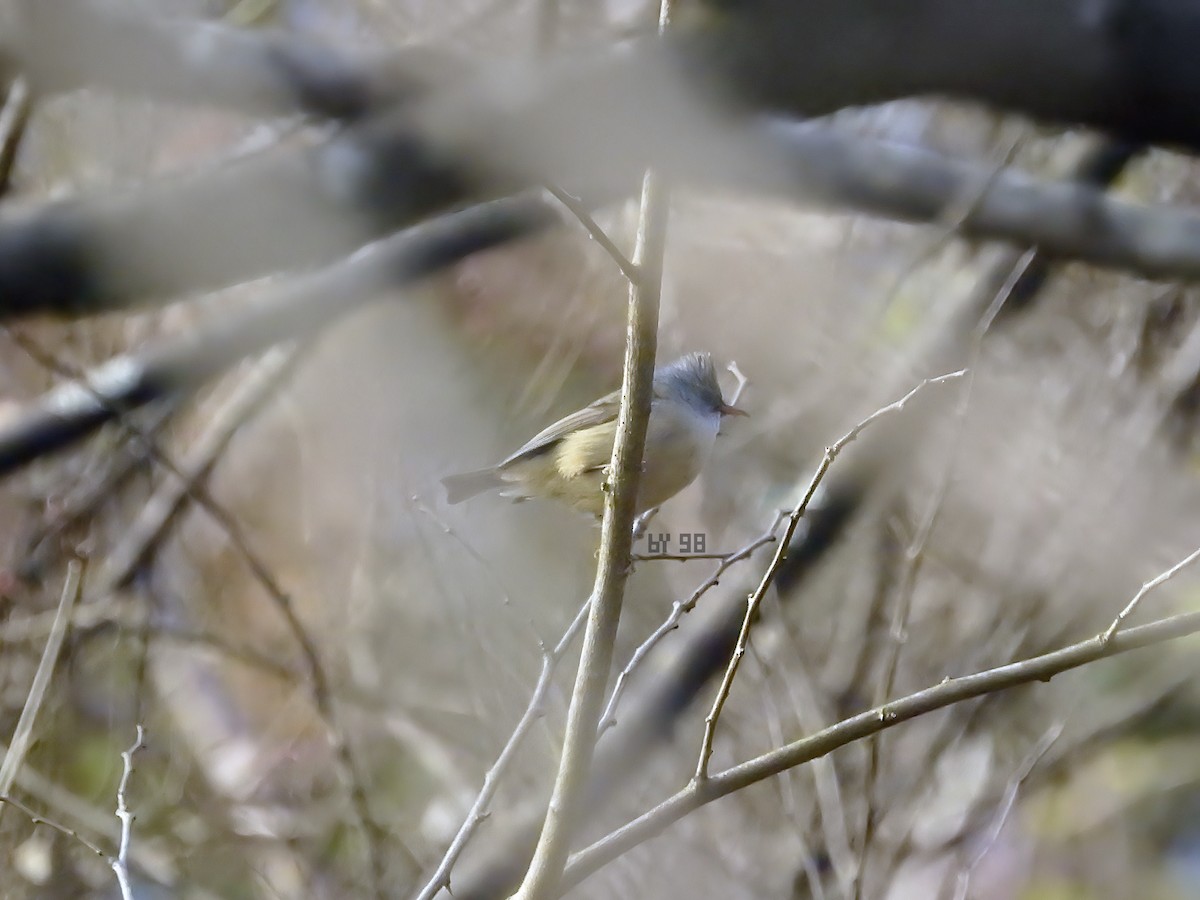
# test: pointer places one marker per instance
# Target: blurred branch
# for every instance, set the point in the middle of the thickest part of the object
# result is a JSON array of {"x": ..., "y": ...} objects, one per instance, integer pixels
[
  {"x": 1125, "y": 67},
  {"x": 491, "y": 781},
  {"x": 13, "y": 120},
  {"x": 86, "y": 498},
  {"x": 919, "y": 185},
  {"x": 186, "y": 480},
  {"x": 855, "y": 728},
  {"x": 22, "y": 738},
  {"x": 85, "y": 44},
  {"x": 294, "y": 208},
  {"x": 178, "y": 366},
  {"x": 374, "y": 837}
]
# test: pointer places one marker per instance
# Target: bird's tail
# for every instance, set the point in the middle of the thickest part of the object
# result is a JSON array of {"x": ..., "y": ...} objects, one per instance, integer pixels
[{"x": 466, "y": 485}]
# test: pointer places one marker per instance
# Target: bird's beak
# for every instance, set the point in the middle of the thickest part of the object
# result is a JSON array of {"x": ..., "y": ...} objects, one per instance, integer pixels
[{"x": 727, "y": 410}]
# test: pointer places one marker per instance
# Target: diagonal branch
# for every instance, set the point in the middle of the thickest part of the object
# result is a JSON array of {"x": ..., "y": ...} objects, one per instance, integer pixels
[
  {"x": 793, "y": 520},
  {"x": 855, "y": 728},
  {"x": 181, "y": 365}
]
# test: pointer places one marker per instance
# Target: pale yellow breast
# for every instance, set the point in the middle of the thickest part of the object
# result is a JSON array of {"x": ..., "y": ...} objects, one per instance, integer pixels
[{"x": 678, "y": 444}]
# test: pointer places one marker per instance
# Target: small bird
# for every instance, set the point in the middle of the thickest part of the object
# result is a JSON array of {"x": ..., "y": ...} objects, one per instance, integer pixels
[{"x": 568, "y": 460}]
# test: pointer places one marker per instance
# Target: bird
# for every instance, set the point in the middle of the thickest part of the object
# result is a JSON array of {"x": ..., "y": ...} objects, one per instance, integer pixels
[{"x": 568, "y": 461}]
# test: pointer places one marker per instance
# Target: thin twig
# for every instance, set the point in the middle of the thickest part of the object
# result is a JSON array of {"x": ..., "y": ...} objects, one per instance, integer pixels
[
  {"x": 322, "y": 697},
  {"x": 1160, "y": 579},
  {"x": 161, "y": 511},
  {"x": 1005, "y": 807},
  {"x": 914, "y": 554},
  {"x": 678, "y": 609},
  {"x": 23, "y": 733},
  {"x": 120, "y": 863},
  {"x": 491, "y": 781},
  {"x": 39, "y": 819},
  {"x": 952, "y": 218},
  {"x": 157, "y": 863},
  {"x": 755, "y": 599},
  {"x": 84, "y": 500},
  {"x": 187, "y": 477},
  {"x": 947, "y": 693},
  {"x": 628, "y": 268},
  {"x": 493, "y": 576},
  {"x": 742, "y": 381}
]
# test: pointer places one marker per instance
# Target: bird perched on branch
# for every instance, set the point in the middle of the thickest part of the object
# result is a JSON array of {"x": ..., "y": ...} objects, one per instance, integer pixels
[{"x": 568, "y": 461}]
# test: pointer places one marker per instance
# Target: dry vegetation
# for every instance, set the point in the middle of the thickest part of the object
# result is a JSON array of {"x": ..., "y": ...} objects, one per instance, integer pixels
[{"x": 1011, "y": 512}]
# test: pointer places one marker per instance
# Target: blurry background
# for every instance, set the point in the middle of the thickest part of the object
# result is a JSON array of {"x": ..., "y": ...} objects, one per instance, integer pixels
[{"x": 1063, "y": 480}]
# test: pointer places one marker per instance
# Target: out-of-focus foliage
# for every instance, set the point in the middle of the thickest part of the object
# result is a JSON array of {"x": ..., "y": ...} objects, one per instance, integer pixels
[{"x": 1065, "y": 480}]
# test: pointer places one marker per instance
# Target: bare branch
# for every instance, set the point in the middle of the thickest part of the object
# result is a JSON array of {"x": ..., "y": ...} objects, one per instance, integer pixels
[
  {"x": 120, "y": 863},
  {"x": 178, "y": 366},
  {"x": 616, "y": 542},
  {"x": 678, "y": 609},
  {"x": 13, "y": 119},
  {"x": 753, "y": 601},
  {"x": 596, "y": 233},
  {"x": 39, "y": 819},
  {"x": 1158, "y": 580},
  {"x": 23, "y": 733},
  {"x": 491, "y": 781},
  {"x": 1005, "y": 807},
  {"x": 948, "y": 692}
]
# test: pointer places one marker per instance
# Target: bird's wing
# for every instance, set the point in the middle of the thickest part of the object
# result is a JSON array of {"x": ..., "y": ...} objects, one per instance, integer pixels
[{"x": 595, "y": 413}]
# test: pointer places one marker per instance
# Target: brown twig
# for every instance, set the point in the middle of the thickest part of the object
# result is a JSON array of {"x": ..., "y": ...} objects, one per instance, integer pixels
[
  {"x": 39, "y": 819},
  {"x": 13, "y": 121},
  {"x": 23, "y": 733},
  {"x": 572, "y": 204},
  {"x": 322, "y": 698}
]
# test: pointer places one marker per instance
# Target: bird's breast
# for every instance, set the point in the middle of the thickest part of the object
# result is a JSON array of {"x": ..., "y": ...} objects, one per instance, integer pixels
[{"x": 678, "y": 443}]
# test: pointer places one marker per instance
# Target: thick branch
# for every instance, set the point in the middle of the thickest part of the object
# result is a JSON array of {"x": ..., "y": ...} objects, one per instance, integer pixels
[
  {"x": 173, "y": 366},
  {"x": 73, "y": 44},
  {"x": 1125, "y": 66},
  {"x": 292, "y": 209},
  {"x": 616, "y": 545}
]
